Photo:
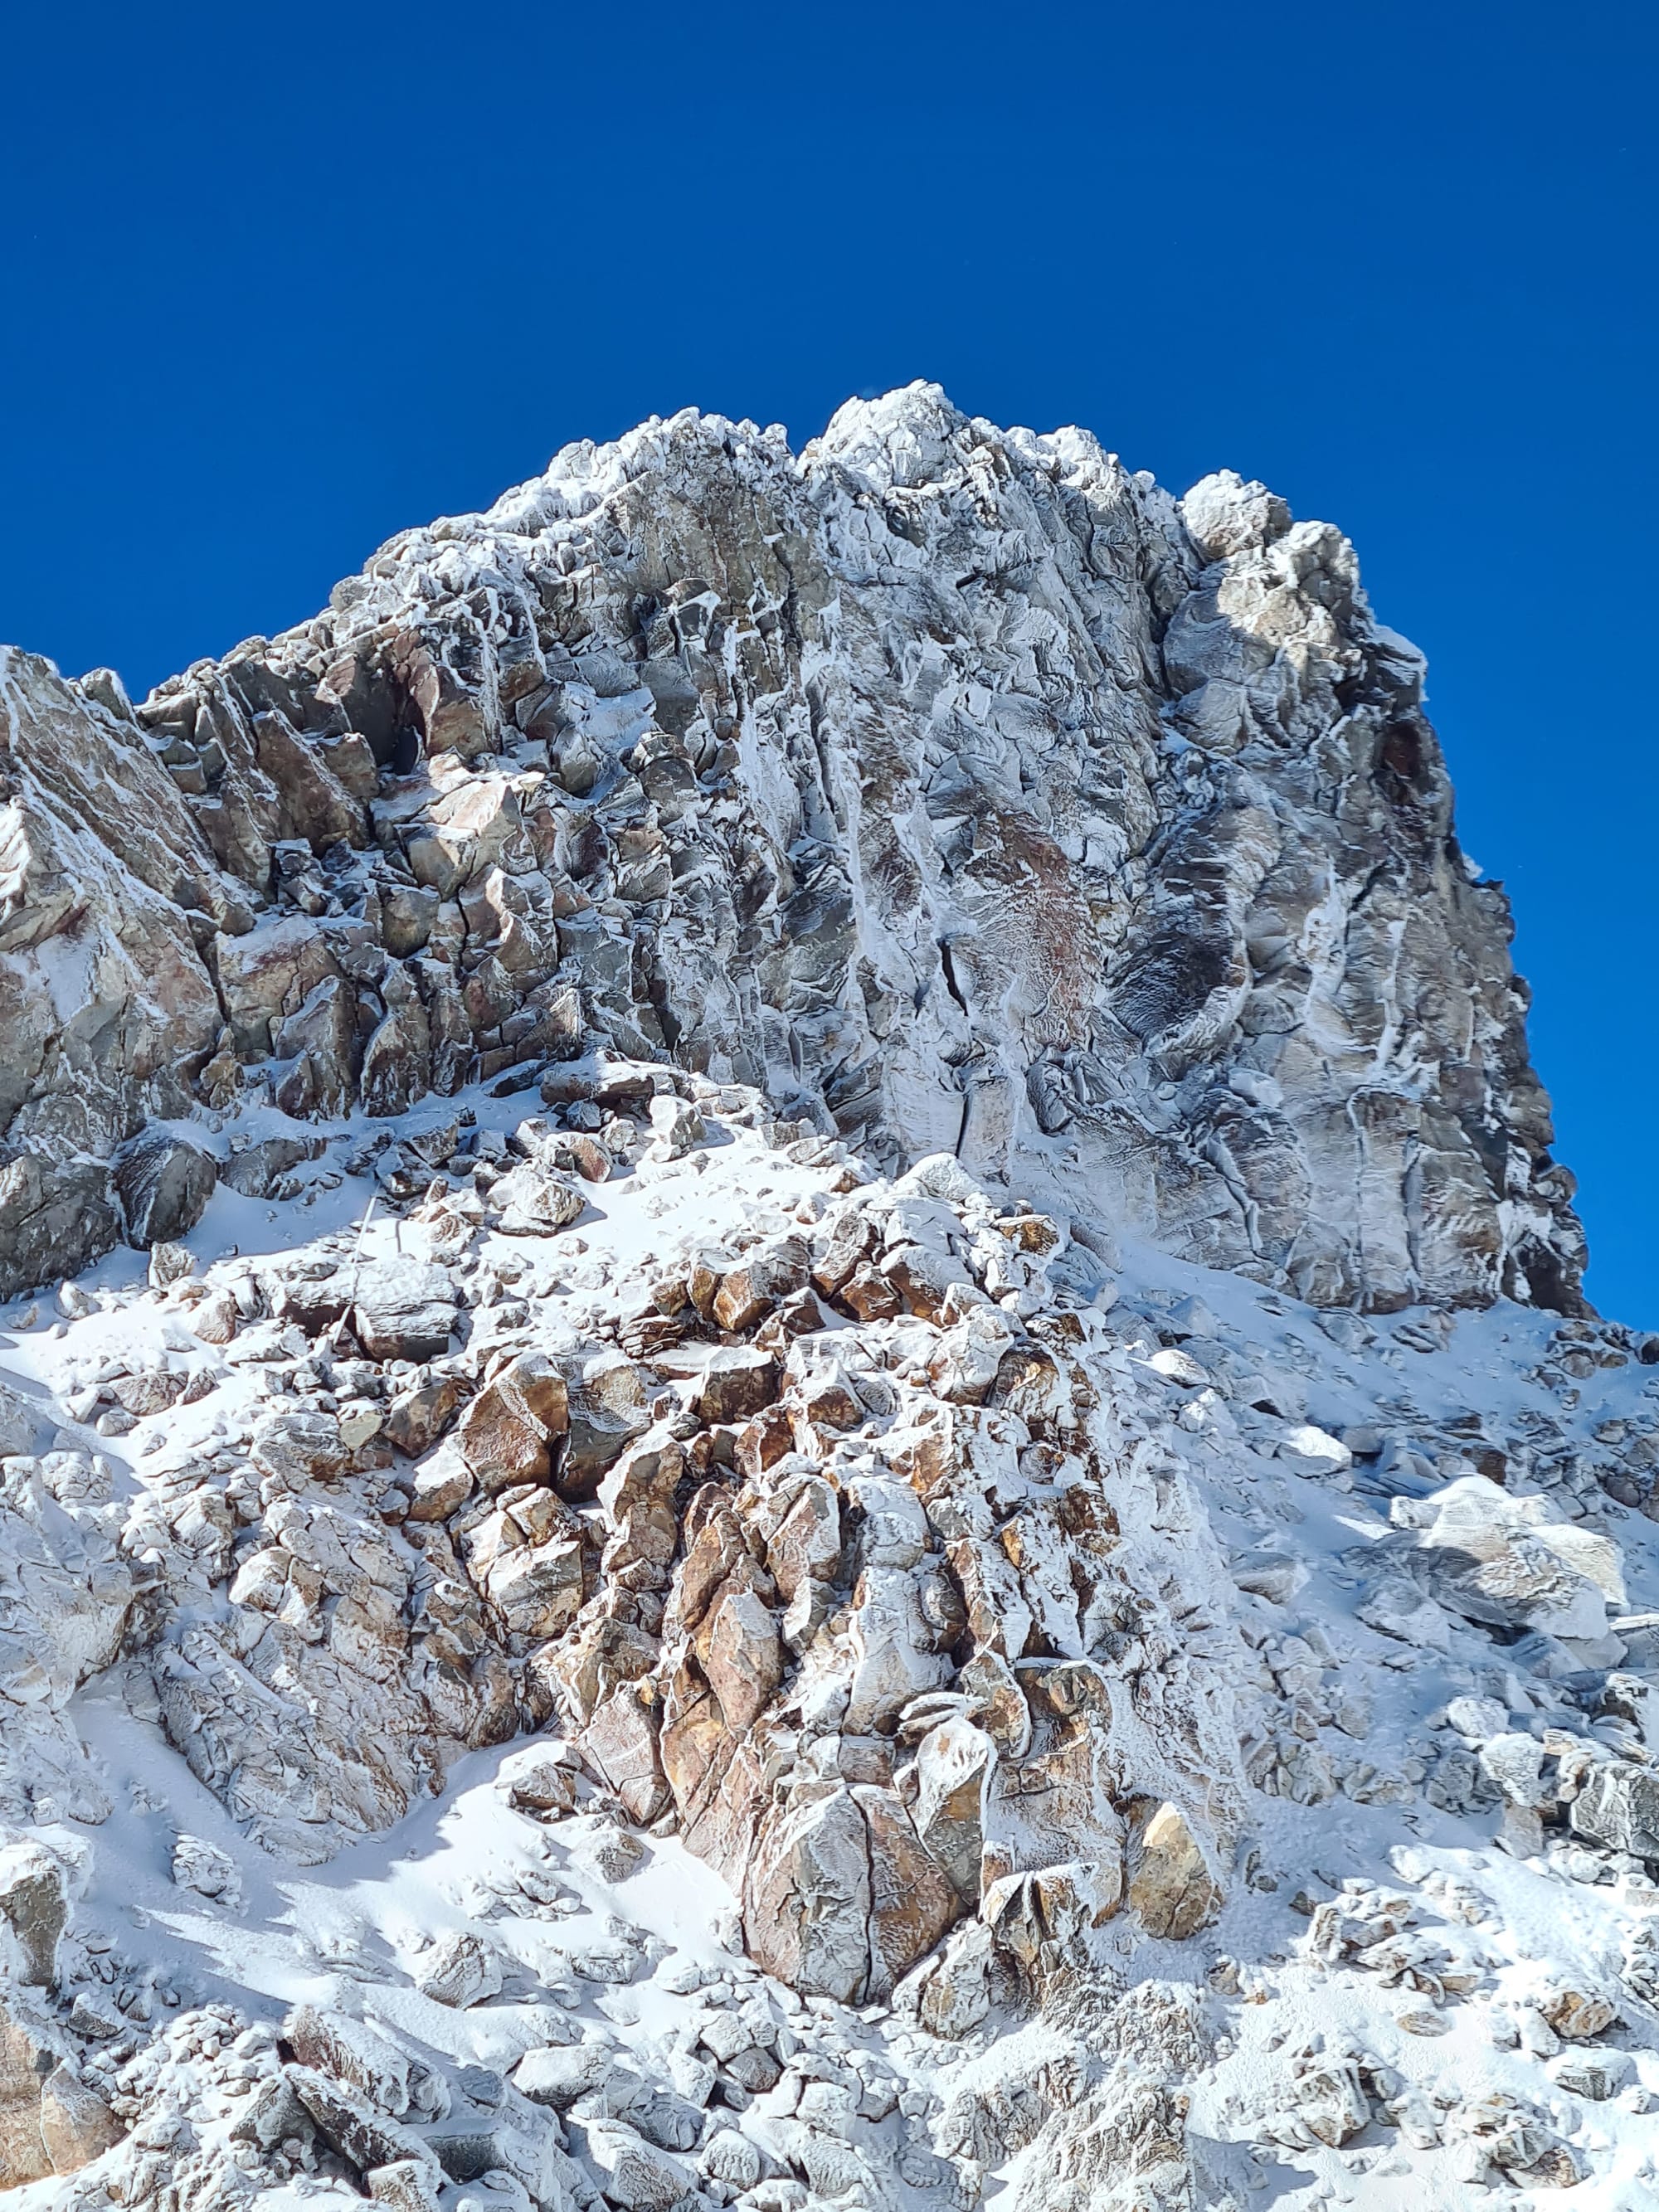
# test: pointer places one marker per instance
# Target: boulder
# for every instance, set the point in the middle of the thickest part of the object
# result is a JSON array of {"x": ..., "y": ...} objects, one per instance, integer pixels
[
  {"x": 513, "y": 1428},
  {"x": 407, "y": 915},
  {"x": 1042, "y": 1919},
  {"x": 293, "y": 1449},
  {"x": 34, "y": 1910},
  {"x": 458, "y": 1970},
  {"x": 537, "y": 1589},
  {"x": 163, "y": 1179},
  {"x": 620, "y": 1747},
  {"x": 316, "y": 1302},
  {"x": 403, "y": 1310},
  {"x": 954, "y": 1992},
  {"x": 1171, "y": 1885},
  {"x": 315, "y": 804},
  {"x": 738, "y": 1381}
]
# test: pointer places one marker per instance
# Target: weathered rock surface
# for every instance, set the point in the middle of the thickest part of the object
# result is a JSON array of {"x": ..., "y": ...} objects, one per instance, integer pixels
[
  {"x": 51, "y": 2123},
  {"x": 781, "y": 930},
  {"x": 953, "y": 785}
]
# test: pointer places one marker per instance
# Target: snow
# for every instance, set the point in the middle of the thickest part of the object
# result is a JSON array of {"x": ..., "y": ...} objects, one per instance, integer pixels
[{"x": 345, "y": 1936}]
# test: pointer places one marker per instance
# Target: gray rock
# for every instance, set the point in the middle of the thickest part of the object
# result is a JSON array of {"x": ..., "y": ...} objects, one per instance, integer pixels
[
  {"x": 558, "y": 2077},
  {"x": 27, "y": 1424},
  {"x": 34, "y": 1906},
  {"x": 258, "y": 1171},
  {"x": 403, "y": 1310},
  {"x": 1618, "y": 1805},
  {"x": 163, "y": 1178}
]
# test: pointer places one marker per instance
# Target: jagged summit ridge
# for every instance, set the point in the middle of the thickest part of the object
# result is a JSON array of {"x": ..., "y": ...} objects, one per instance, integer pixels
[{"x": 958, "y": 788}]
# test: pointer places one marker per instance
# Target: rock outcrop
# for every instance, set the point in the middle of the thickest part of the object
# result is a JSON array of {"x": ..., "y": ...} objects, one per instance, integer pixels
[
  {"x": 957, "y": 787},
  {"x": 785, "y": 1111}
]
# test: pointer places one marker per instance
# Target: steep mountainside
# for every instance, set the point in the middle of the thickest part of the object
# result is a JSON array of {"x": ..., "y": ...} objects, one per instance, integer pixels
[
  {"x": 794, "y": 1410},
  {"x": 957, "y": 788}
]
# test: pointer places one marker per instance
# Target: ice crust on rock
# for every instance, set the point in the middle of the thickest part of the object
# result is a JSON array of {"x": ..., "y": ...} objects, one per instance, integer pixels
[{"x": 852, "y": 1460}]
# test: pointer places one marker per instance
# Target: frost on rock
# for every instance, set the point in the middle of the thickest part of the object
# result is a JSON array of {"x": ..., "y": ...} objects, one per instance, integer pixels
[
  {"x": 852, "y": 1460},
  {"x": 954, "y": 786}
]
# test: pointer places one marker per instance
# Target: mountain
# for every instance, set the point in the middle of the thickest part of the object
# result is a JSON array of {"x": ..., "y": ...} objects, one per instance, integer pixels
[{"x": 817, "y": 1426}]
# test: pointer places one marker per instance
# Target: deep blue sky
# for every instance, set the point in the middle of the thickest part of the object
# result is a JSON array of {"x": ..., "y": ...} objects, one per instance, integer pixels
[{"x": 275, "y": 280}]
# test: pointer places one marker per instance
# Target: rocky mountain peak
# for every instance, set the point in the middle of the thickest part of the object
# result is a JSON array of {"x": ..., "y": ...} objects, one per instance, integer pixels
[
  {"x": 816, "y": 1431},
  {"x": 956, "y": 786}
]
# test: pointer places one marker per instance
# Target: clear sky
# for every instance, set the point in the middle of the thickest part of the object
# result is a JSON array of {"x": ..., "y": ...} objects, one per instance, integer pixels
[{"x": 277, "y": 280}]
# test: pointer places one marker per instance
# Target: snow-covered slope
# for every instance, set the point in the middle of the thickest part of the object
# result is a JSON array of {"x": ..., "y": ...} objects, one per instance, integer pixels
[{"x": 821, "y": 1434}]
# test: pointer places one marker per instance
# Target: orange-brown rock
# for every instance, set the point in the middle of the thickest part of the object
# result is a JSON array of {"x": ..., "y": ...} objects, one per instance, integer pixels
[
  {"x": 417, "y": 1419},
  {"x": 751, "y": 1290},
  {"x": 738, "y": 1382},
  {"x": 511, "y": 1431},
  {"x": 870, "y": 1296},
  {"x": 742, "y": 1656},
  {"x": 50, "y": 2122}
]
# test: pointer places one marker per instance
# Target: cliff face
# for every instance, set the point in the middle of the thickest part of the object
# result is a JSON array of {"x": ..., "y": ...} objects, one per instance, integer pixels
[{"x": 960, "y": 789}]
